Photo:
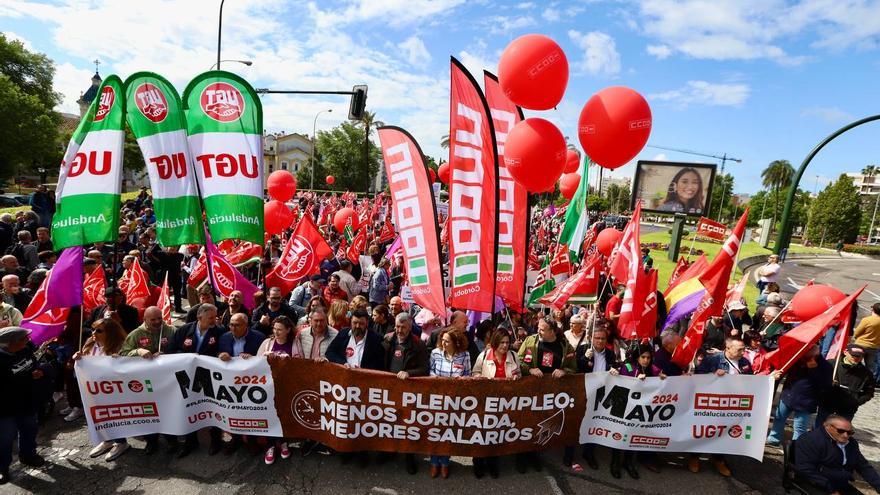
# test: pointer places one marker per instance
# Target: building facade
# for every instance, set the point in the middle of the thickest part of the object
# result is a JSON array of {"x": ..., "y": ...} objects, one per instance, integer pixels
[{"x": 282, "y": 151}]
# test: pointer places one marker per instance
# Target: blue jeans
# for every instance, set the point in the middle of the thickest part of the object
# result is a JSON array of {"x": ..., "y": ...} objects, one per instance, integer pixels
[
  {"x": 440, "y": 460},
  {"x": 783, "y": 411},
  {"x": 24, "y": 428},
  {"x": 826, "y": 340},
  {"x": 872, "y": 361}
]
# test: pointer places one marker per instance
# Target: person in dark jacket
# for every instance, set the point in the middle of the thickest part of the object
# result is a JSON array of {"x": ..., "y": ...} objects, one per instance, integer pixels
[
  {"x": 115, "y": 308},
  {"x": 597, "y": 357},
  {"x": 357, "y": 347},
  {"x": 200, "y": 337},
  {"x": 239, "y": 341},
  {"x": 853, "y": 386},
  {"x": 273, "y": 308},
  {"x": 827, "y": 457},
  {"x": 807, "y": 380},
  {"x": 206, "y": 296},
  {"x": 663, "y": 357},
  {"x": 19, "y": 370},
  {"x": 406, "y": 356}
]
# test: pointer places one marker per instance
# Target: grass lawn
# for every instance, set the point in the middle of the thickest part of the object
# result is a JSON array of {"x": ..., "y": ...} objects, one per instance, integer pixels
[
  {"x": 748, "y": 249},
  {"x": 125, "y": 196}
]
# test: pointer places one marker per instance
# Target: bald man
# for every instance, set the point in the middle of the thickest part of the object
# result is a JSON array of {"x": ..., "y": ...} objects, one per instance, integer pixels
[
  {"x": 459, "y": 321},
  {"x": 148, "y": 339}
]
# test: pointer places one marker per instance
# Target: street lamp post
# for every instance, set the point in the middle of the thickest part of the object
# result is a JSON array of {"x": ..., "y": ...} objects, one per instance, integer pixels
[
  {"x": 244, "y": 62},
  {"x": 314, "y": 143},
  {"x": 219, "y": 32}
]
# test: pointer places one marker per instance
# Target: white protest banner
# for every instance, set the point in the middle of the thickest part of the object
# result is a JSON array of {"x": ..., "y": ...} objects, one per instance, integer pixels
[
  {"x": 176, "y": 394},
  {"x": 699, "y": 413}
]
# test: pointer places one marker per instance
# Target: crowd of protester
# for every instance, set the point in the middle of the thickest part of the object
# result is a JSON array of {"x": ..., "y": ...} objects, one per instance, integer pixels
[{"x": 354, "y": 314}]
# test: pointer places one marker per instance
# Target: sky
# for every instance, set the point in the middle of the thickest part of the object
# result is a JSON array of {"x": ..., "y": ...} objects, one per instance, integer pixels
[{"x": 759, "y": 80}]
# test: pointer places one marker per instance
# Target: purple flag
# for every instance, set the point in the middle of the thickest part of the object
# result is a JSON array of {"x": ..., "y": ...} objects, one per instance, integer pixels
[
  {"x": 225, "y": 278},
  {"x": 393, "y": 248},
  {"x": 61, "y": 289}
]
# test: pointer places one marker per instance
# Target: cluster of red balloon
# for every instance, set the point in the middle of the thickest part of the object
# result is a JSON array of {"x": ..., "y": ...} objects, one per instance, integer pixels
[
  {"x": 277, "y": 216},
  {"x": 330, "y": 180},
  {"x": 340, "y": 219},
  {"x": 613, "y": 127},
  {"x": 443, "y": 172},
  {"x": 812, "y": 301}
]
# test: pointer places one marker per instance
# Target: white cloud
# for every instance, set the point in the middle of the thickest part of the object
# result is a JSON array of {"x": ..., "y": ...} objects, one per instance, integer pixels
[
  {"x": 600, "y": 56},
  {"x": 550, "y": 14},
  {"x": 506, "y": 25},
  {"x": 21, "y": 39},
  {"x": 416, "y": 52},
  {"x": 660, "y": 157},
  {"x": 832, "y": 115},
  {"x": 757, "y": 29},
  {"x": 395, "y": 13},
  {"x": 702, "y": 93},
  {"x": 660, "y": 51},
  {"x": 525, "y": 5},
  {"x": 475, "y": 63},
  {"x": 70, "y": 81}
]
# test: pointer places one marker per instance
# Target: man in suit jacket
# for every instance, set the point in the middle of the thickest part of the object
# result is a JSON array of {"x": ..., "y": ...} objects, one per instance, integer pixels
[
  {"x": 356, "y": 347},
  {"x": 826, "y": 458},
  {"x": 199, "y": 337},
  {"x": 239, "y": 341}
]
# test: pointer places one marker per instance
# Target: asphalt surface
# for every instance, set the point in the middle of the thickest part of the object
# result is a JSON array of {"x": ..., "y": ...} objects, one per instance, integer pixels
[{"x": 846, "y": 273}]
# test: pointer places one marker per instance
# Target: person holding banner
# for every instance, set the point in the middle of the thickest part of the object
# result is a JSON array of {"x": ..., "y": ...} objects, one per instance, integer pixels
[
  {"x": 640, "y": 365},
  {"x": 596, "y": 357},
  {"x": 450, "y": 360},
  {"x": 282, "y": 343},
  {"x": 544, "y": 353},
  {"x": 200, "y": 337}
]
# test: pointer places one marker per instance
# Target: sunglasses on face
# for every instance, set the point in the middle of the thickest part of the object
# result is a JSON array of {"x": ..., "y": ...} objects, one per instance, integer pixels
[{"x": 842, "y": 431}]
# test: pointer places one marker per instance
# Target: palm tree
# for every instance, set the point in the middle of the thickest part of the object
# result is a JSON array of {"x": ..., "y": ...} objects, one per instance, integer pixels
[
  {"x": 778, "y": 176},
  {"x": 444, "y": 141},
  {"x": 871, "y": 170},
  {"x": 368, "y": 122}
]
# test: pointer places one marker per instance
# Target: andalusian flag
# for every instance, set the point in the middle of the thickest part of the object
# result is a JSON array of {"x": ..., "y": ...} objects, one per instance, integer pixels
[
  {"x": 154, "y": 114},
  {"x": 577, "y": 217},
  {"x": 544, "y": 284},
  {"x": 90, "y": 179},
  {"x": 224, "y": 122}
]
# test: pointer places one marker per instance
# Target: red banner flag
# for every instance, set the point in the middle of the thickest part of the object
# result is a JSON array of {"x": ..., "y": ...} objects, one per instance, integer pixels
[
  {"x": 358, "y": 244},
  {"x": 628, "y": 251},
  {"x": 560, "y": 264},
  {"x": 647, "y": 292},
  {"x": 693, "y": 270},
  {"x": 225, "y": 278},
  {"x": 93, "y": 289},
  {"x": 416, "y": 217},
  {"x": 715, "y": 280},
  {"x": 136, "y": 282},
  {"x": 794, "y": 343},
  {"x": 589, "y": 245},
  {"x": 165, "y": 301},
  {"x": 387, "y": 233},
  {"x": 735, "y": 293},
  {"x": 301, "y": 257},
  {"x": 199, "y": 272},
  {"x": 246, "y": 252},
  {"x": 680, "y": 266},
  {"x": 711, "y": 229},
  {"x": 473, "y": 195},
  {"x": 513, "y": 203},
  {"x": 580, "y": 288},
  {"x": 629, "y": 257}
]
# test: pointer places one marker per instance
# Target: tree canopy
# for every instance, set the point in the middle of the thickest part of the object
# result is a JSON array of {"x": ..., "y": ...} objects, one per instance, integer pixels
[
  {"x": 340, "y": 152},
  {"x": 837, "y": 212}
]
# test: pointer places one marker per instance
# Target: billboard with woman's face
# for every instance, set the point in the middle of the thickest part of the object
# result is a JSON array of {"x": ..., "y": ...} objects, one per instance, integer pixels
[{"x": 673, "y": 187}]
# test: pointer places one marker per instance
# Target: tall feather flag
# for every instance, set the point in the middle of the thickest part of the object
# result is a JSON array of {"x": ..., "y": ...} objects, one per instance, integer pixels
[
  {"x": 513, "y": 202},
  {"x": 165, "y": 301},
  {"x": 47, "y": 313},
  {"x": 473, "y": 195},
  {"x": 715, "y": 280},
  {"x": 577, "y": 217}
]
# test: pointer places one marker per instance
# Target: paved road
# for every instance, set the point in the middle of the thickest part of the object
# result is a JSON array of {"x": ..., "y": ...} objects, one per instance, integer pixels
[
  {"x": 70, "y": 471},
  {"x": 847, "y": 274}
]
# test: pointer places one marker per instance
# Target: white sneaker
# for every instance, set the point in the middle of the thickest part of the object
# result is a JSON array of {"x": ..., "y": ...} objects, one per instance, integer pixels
[
  {"x": 100, "y": 449},
  {"x": 65, "y": 411},
  {"x": 56, "y": 396},
  {"x": 117, "y": 450},
  {"x": 74, "y": 415}
]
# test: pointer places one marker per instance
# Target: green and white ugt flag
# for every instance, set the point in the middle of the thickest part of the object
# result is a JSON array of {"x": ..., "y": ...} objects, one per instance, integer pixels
[
  {"x": 577, "y": 217},
  {"x": 224, "y": 122},
  {"x": 90, "y": 179},
  {"x": 156, "y": 118}
]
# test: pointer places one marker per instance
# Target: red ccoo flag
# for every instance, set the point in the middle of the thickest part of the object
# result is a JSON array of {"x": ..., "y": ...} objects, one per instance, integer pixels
[
  {"x": 629, "y": 258},
  {"x": 302, "y": 256},
  {"x": 628, "y": 251},
  {"x": 358, "y": 244},
  {"x": 165, "y": 301}
]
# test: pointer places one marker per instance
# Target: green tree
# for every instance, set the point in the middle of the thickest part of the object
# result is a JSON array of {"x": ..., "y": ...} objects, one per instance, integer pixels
[
  {"x": 777, "y": 175},
  {"x": 444, "y": 141},
  {"x": 29, "y": 128},
  {"x": 368, "y": 122},
  {"x": 340, "y": 153},
  {"x": 304, "y": 176},
  {"x": 763, "y": 201},
  {"x": 617, "y": 197},
  {"x": 871, "y": 170},
  {"x": 837, "y": 212},
  {"x": 722, "y": 191}
]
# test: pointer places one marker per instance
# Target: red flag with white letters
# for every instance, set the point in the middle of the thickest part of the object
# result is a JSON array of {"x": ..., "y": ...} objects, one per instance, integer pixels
[{"x": 302, "y": 256}]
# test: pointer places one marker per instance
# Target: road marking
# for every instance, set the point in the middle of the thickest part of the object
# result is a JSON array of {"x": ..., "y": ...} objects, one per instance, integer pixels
[
  {"x": 554, "y": 486},
  {"x": 876, "y": 274},
  {"x": 820, "y": 264},
  {"x": 794, "y": 285},
  {"x": 873, "y": 294}
]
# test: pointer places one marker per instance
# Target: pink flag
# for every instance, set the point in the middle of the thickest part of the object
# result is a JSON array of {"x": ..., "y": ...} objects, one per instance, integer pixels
[{"x": 61, "y": 289}]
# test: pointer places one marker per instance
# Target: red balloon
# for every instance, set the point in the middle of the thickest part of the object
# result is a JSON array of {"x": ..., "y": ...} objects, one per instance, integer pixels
[
  {"x": 568, "y": 185},
  {"x": 281, "y": 185},
  {"x": 614, "y": 126},
  {"x": 443, "y": 173},
  {"x": 811, "y": 301},
  {"x": 330, "y": 180},
  {"x": 535, "y": 154},
  {"x": 607, "y": 239},
  {"x": 341, "y": 218},
  {"x": 572, "y": 161},
  {"x": 432, "y": 175},
  {"x": 277, "y": 216},
  {"x": 533, "y": 72}
]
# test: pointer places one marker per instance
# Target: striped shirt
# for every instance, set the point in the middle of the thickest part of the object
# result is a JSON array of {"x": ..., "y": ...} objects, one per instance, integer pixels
[{"x": 441, "y": 365}]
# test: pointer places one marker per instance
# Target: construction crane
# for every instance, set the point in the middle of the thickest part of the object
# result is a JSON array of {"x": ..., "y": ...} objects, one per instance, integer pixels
[{"x": 724, "y": 159}]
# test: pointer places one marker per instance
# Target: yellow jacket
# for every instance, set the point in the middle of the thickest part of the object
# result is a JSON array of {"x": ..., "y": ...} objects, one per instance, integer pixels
[{"x": 867, "y": 334}]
